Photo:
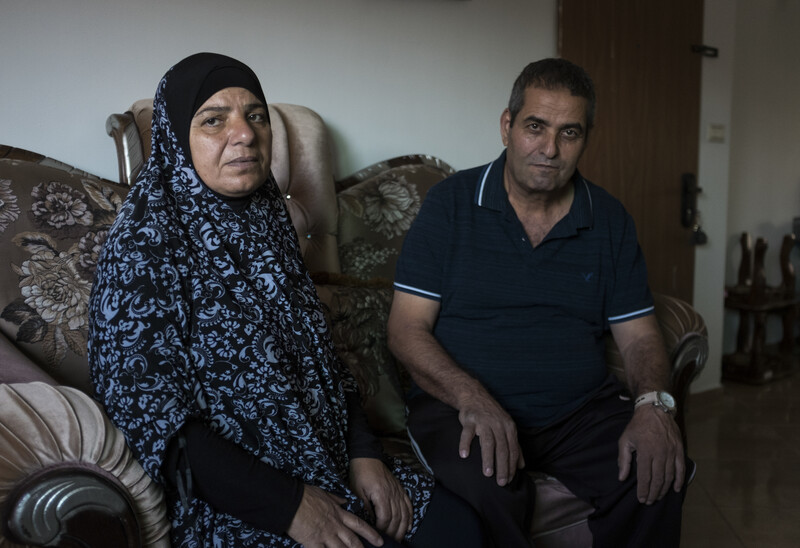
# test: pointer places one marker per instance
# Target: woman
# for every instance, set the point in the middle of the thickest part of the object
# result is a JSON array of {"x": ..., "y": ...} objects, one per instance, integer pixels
[{"x": 210, "y": 352}]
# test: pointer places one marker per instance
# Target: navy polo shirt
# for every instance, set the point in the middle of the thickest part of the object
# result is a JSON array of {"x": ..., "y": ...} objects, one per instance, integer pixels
[{"x": 527, "y": 322}]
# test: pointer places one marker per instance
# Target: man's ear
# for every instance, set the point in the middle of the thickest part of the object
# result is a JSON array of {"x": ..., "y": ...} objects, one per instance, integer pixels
[{"x": 505, "y": 126}]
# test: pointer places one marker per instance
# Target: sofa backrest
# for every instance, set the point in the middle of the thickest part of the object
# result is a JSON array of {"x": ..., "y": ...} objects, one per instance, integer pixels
[{"x": 53, "y": 219}]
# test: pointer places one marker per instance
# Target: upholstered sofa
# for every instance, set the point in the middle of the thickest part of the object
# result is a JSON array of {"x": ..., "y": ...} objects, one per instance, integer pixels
[{"x": 67, "y": 477}]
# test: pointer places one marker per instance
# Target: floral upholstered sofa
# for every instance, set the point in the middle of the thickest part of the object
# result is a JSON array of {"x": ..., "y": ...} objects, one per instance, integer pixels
[{"x": 67, "y": 477}]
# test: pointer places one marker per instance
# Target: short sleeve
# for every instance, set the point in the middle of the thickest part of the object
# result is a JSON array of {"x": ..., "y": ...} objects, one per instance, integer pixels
[
  {"x": 420, "y": 267},
  {"x": 630, "y": 295}
]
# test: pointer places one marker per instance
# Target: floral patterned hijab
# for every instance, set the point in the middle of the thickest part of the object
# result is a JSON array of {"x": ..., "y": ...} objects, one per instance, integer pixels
[{"x": 203, "y": 310}]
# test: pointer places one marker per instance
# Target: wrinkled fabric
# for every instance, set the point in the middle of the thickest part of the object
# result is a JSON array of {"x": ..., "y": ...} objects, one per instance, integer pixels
[{"x": 201, "y": 310}]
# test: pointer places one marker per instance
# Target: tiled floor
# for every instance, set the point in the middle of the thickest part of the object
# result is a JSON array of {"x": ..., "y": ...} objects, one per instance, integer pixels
[{"x": 746, "y": 442}]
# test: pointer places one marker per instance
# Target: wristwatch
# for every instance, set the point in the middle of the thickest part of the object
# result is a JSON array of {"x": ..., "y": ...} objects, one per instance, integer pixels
[{"x": 662, "y": 400}]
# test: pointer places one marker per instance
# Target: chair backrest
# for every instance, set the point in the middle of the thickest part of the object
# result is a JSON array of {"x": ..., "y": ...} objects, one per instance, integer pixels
[{"x": 301, "y": 164}]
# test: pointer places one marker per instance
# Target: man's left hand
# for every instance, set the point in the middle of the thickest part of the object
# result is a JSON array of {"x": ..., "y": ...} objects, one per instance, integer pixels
[
  {"x": 656, "y": 439},
  {"x": 382, "y": 495}
]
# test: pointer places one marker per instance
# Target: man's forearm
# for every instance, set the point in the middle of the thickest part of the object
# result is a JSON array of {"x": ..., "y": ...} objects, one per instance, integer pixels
[
  {"x": 432, "y": 368},
  {"x": 644, "y": 357}
]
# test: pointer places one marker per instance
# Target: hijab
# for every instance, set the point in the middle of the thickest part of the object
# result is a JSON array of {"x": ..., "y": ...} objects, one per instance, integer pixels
[
  {"x": 195, "y": 80},
  {"x": 203, "y": 310}
]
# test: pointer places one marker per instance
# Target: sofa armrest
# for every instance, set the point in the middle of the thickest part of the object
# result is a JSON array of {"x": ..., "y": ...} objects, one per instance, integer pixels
[
  {"x": 63, "y": 466},
  {"x": 71, "y": 502},
  {"x": 686, "y": 342},
  {"x": 122, "y": 128}
]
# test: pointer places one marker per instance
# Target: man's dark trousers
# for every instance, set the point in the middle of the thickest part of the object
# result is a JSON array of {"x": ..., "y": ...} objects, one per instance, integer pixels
[{"x": 580, "y": 450}]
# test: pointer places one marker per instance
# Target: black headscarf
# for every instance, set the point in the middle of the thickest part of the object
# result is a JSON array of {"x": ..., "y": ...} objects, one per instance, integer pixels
[{"x": 198, "y": 77}]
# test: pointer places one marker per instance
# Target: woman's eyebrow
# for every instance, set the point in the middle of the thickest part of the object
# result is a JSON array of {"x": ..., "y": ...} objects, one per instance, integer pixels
[
  {"x": 211, "y": 109},
  {"x": 220, "y": 109}
]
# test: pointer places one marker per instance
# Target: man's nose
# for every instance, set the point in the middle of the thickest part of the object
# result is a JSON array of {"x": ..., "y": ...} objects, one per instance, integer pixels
[{"x": 550, "y": 145}]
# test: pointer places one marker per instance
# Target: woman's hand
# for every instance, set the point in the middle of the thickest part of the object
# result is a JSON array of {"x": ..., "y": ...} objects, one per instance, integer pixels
[
  {"x": 382, "y": 495},
  {"x": 321, "y": 522}
]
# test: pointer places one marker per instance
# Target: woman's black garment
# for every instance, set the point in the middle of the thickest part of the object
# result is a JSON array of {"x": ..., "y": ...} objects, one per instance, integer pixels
[
  {"x": 206, "y": 312},
  {"x": 250, "y": 490},
  {"x": 200, "y": 463}
]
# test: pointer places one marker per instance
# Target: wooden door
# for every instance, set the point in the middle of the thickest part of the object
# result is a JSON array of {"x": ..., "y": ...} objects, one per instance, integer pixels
[{"x": 639, "y": 55}]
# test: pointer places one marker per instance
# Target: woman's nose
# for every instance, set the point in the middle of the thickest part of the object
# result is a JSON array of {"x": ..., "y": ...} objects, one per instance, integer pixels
[{"x": 241, "y": 131}]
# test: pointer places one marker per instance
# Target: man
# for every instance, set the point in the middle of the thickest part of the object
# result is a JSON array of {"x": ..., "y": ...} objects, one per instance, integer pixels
[{"x": 508, "y": 280}]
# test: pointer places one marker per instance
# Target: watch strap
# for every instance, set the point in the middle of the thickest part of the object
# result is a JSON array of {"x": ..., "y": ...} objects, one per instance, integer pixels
[{"x": 654, "y": 398}]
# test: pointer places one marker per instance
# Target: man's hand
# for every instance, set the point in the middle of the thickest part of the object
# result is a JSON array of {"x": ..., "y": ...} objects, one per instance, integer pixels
[
  {"x": 497, "y": 434},
  {"x": 321, "y": 522},
  {"x": 410, "y": 331},
  {"x": 383, "y": 495},
  {"x": 655, "y": 438}
]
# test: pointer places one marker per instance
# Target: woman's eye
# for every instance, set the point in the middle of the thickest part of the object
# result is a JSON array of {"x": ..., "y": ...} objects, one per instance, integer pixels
[
  {"x": 258, "y": 117},
  {"x": 211, "y": 122}
]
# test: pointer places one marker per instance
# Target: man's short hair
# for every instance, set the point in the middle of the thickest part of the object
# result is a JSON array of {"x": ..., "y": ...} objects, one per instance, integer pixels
[{"x": 553, "y": 74}]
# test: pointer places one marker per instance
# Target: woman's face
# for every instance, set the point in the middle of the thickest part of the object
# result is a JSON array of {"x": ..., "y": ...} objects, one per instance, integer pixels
[{"x": 231, "y": 142}]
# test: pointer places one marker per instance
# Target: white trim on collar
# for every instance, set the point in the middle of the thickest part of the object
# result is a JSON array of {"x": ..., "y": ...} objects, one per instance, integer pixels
[{"x": 482, "y": 186}]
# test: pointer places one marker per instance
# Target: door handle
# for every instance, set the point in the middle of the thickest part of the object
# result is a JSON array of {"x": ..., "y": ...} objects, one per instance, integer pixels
[
  {"x": 689, "y": 213},
  {"x": 689, "y": 192}
]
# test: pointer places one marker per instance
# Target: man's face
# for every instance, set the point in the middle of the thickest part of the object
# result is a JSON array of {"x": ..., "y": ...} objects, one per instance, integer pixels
[{"x": 545, "y": 141}]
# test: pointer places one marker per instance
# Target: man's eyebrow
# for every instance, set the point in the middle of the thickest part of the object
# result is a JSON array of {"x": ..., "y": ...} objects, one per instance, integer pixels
[
  {"x": 575, "y": 125},
  {"x": 545, "y": 123},
  {"x": 536, "y": 119}
]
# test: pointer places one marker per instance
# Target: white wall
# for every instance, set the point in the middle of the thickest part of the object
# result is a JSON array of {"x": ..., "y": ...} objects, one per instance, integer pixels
[
  {"x": 390, "y": 77},
  {"x": 713, "y": 175},
  {"x": 394, "y": 77},
  {"x": 765, "y": 142}
]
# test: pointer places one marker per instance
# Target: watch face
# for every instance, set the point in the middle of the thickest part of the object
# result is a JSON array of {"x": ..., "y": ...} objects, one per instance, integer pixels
[{"x": 666, "y": 399}]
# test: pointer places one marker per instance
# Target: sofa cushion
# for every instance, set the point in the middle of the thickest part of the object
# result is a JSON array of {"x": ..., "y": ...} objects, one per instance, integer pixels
[
  {"x": 376, "y": 207},
  {"x": 357, "y": 312},
  {"x": 53, "y": 221}
]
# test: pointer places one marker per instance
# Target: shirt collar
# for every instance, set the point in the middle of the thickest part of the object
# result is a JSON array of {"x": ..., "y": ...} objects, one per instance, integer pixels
[{"x": 491, "y": 194}]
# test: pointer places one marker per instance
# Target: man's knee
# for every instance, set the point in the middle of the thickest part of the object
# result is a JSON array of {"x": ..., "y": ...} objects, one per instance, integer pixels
[{"x": 435, "y": 433}]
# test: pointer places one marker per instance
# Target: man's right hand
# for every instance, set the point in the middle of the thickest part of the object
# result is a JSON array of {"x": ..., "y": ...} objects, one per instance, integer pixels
[
  {"x": 497, "y": 433},
  {"x": 321, "y": 522},
  {"x": 411, "y": 339}
]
